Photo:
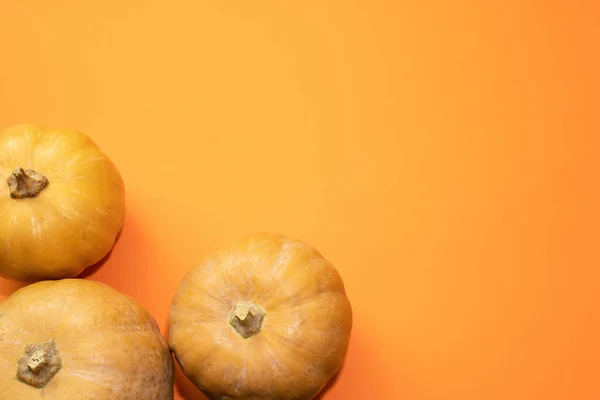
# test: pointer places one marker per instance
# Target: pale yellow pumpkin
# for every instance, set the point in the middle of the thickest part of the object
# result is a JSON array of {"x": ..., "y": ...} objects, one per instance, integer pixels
[
  {"x": 62, "y": 203},
  {"x": 265, "y": 318},
  {"x": 80, "y": 339}
]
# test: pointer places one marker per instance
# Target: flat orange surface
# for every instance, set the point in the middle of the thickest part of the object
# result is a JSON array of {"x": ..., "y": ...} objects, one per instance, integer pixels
[{"x": 443, "y": 155}]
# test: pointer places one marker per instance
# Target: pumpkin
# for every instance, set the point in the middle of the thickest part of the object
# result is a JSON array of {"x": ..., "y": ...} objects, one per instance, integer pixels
[
  {"x": 62, "y": 203},
  {"x": 81, "y": 339},
  {"x": 266, "y": 317}
]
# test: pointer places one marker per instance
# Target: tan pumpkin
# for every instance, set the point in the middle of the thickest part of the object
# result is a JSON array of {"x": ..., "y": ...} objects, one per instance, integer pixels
[
  {"x": 62, "y": 203},
  {"x": 80, "y": 339},
  {"x": 265, "y": 318}
]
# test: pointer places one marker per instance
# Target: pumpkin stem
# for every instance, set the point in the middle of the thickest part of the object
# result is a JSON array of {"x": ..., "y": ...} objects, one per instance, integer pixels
[
  {"x": 247, "y": 319},
  {"x": 25, "y": 183},
  {"x": 39, "y": 364}
]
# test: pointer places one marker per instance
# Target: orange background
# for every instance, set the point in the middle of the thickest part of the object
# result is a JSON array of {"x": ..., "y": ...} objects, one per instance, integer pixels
[{"x": 442, "y": 154}]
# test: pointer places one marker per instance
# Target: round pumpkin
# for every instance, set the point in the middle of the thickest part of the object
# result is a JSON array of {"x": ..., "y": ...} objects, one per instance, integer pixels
[
  {"x": 81, "y": 339},
  {"x": 265, "y": 318},
  {"x": 62, "y": 203}
]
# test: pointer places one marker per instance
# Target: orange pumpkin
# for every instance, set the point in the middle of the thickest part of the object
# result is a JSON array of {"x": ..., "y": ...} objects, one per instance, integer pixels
[
  {"x": 62, "y": 203},
  {"x": 80, "y": 339},
  {"x": 265, "y": 318}
]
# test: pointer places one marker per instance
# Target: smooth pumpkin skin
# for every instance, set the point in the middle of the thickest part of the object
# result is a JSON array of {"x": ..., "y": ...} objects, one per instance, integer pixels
[
  {"x": 74, "y": 221},
  {"x": 111, "y": 348},
  {"x": 304, "y": 334}
]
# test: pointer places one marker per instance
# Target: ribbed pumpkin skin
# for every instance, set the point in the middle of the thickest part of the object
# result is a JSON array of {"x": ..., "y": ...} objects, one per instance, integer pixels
[
  {"x": 304, "y": 334},
  {"x": 111, "y": 348},
  {"x": 73, "y": 222}
]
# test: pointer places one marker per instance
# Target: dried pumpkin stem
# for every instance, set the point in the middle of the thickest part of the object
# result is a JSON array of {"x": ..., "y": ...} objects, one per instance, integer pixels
[
  {"x": 39, "y": 364},
  {"x": 26, "y": 183},
  {"x": 247, "y": 318}
]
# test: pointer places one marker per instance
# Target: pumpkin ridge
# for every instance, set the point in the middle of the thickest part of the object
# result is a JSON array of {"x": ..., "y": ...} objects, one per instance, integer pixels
[
  {"x": 188, "y": 283},
  {"x": 106, "y": 234},
  {"x": 2, "y": 327},
  {"x": 96, "y": 154},
  {"x": 194, "y": 311},
  {"x": 288, "y": 363},
  {"x": 27, "y": 130},
  {"x": 270, "y": 286},
  {"x": 294, "y": 301},
  {"x": 213, "y": 296},
  {"x": 277, "y": 340},
  {"x": 61, "y": 136},
  {"x": 202, "y": 361}
]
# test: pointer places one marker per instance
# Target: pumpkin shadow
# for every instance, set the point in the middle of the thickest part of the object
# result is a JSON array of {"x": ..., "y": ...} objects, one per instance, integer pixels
[
  {"x": 184, "y": 387},
  {"x": 361, "y": 375},
  {"x": 92, "y": 269},
  {"x": 321, "y": 395},
  {"x": 9, "y": 286}
]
